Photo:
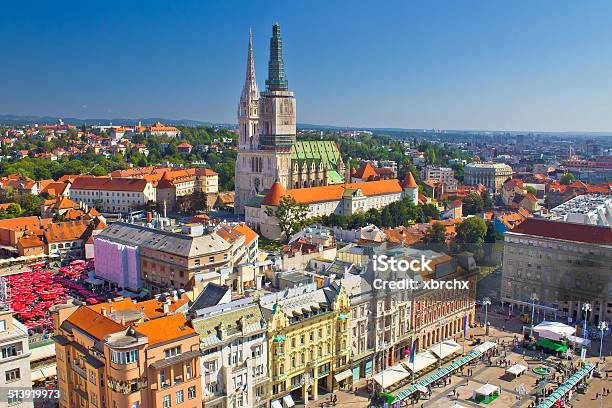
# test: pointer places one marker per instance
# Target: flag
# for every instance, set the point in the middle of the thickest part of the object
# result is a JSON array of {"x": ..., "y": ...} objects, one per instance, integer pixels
[
  {"x": 414, "y": 343},
  {"x": 464, "y": 327}
]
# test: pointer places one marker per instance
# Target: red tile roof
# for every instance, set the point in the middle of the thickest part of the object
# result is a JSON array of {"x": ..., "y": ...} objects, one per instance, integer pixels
[
  {"x": 366, "y": 171},
  {"x": 330, "y": 193},
  {"x": 566, "y": 231},
  {"x": 109, "y": 184},
  {"x": 409, "y": 181}
]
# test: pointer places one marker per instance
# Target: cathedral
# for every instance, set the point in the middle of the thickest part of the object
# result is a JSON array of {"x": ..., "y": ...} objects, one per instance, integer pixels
[{"x": 268, "y": 151}]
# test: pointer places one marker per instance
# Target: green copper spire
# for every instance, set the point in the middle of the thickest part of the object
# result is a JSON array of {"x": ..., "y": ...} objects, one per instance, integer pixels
[{"x": 276, "y": 67}]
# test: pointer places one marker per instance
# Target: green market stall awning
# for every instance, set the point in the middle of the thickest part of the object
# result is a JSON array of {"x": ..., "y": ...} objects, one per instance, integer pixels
[
  {"x": 475, "y": 353},
  {"x": 551, "y": 345},
  {"x": 566, "y": 387}
]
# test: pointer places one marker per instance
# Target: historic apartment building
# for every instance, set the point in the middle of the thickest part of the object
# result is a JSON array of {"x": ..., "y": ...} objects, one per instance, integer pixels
[
  {"x": 308, "y": 342},
  {"x": 267, "y": 148},
  {"x": 564, "y": 264},
  {"x": 14, "y": 357},
  {"x": 127, "y": 354},
  {"x": 491, "y": 175},
  {"x": 139, "y": 257},
  {"x": 234, "y": 355}
]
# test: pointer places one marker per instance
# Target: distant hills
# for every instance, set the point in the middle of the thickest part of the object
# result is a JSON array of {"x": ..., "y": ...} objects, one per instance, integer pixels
[{"x": 32, "y": 119}]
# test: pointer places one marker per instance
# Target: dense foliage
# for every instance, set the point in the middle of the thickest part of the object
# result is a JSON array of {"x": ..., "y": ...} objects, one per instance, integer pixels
[{"x": 395, "y": 214}]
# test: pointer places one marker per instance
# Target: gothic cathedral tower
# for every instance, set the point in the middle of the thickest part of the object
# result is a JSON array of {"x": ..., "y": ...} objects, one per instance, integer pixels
[{"x": 267, "y": 128}]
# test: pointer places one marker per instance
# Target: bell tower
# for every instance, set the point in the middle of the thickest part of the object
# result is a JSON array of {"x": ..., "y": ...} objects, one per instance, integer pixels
[{"x": 248, "y": 116}]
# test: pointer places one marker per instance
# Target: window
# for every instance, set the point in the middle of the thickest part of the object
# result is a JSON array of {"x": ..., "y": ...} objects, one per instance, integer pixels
[
  {"x": 188, "y": 372},
  {"x": 2, "y": 325},
  {"x": 124, "y": 357},
  {"x": 171, "y": 352},
  {"x": 191, "y": 392},
  {"x": 180, "y": 397},
  {"x": 12, "y": 375},
  {"x": 11, "y": 350},
  {"x": 14, "y": 400},
  {"x": 166, "y": 401},
  {"x": 136, "y": 404}
]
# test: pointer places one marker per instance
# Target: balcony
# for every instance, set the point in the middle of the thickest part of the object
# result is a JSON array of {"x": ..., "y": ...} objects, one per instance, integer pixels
[{"x": 80, "y": 371}]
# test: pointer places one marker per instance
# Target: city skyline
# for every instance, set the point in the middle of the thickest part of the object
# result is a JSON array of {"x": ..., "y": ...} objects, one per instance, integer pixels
[{"x": 485, "y": 67}]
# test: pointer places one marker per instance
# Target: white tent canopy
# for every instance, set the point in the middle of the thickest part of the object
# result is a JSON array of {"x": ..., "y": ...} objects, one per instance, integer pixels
[
  {"x": 456, "y": 405},
  {"x": 421, "y": 361},
  {"x": 391, "y": 376},
  {"x": 486, "y": 390},
  {"x": 484, "y": 346},
  {"x": 580, "y": 341},
  {"x": 445, "y": 349},
  {"x": 516, "y": 369},
  {"x": 554, "y": 330}
]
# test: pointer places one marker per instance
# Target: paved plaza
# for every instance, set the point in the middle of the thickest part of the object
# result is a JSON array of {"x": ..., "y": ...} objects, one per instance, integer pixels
[{"x": 515, "y": 392}]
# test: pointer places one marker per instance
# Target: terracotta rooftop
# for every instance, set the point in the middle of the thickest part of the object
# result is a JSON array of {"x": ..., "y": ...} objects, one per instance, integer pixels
[
  {"x": 93, "y": 323},
  {"x": 366, "y": 171},
  {"x": 591, "y": 234},
  {"x": 109, "y": 184},
  {"x": 249, "y": 234},
  {"x": 330, "y": 193},
  {"x": 409, "y": 181},
  {"x": 165, "y": 328}
]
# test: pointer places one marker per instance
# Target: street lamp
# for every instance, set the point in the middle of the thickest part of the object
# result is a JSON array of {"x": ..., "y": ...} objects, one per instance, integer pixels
[
  {"x": 534, "y": 298},
  {"x": 587, "y": 308},
  {"x": 486, "y": 302},
  {"x": 440, "y": 325},
  {"x": 603, "y": 326}
]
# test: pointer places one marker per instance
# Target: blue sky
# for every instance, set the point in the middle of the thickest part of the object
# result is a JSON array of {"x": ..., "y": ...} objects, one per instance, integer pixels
[{"x": 504, "y": 65}]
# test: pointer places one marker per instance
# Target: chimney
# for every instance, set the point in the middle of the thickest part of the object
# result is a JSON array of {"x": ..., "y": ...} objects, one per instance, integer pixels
[
  {"x": 166, "y": 307},
  {"x": 103, "y": 311},
  {"x": 174, "y": 296}
]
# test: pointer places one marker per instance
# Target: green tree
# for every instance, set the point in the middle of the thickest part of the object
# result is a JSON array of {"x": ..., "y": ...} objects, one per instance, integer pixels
[
  {"x": 472, "y": 204},
  {"x": 436, "y": 234},
  {"x": 487, "y": 200},
  {"x": 471, "y": 233},
  {"x": 567, "y": 178},
  {"x": 290, "y": 214},
  {"x": 532, "y": 190}
]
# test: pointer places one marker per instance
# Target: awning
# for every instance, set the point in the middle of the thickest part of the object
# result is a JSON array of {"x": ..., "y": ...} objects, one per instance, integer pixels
[
  {"x": 421, "y": 361},
  {"x": 343, "y": 375},
  {"x": 445, "y": 349},
  {"x": 42, "y": 352},
  {"x": 391, "y": 376},
  {"x": 422, "y": 389},
  {"x": 277, "y": 404},
  {"x": 288, "y": 401},
  {"x": 45, "y": 372},
  {"x": 551, "y": 345},
  {"x": 516, "y": 369}
]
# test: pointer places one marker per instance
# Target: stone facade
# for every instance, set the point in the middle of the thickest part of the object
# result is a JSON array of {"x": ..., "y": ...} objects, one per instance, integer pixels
[
  {"x": 490, "y": 175},
  {"x": 267, "y": 150}
]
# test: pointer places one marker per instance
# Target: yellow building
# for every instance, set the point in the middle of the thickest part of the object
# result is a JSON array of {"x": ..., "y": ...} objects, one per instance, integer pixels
[{"x": 308, "y": 343}]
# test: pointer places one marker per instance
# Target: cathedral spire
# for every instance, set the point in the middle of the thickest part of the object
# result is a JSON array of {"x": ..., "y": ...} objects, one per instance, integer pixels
[
  {"x": 276, "y": 67},
  {"x": 249, "y": 90}
]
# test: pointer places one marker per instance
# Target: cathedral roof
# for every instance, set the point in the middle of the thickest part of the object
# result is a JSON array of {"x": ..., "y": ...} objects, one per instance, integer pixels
[
  {"x": 330, "y": 193},
  {"x": 274, "y": 195},
  {"x": 409, "y": 181}
]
